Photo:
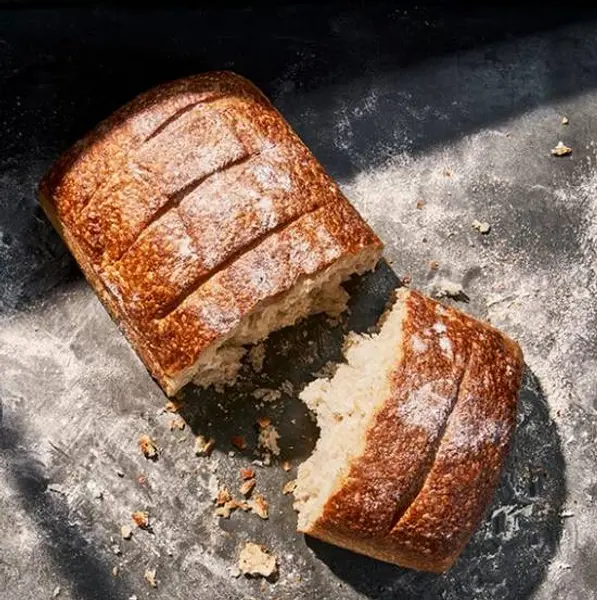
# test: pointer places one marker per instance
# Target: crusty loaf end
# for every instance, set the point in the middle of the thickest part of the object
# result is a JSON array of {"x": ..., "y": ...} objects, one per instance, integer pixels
[{"x": 412, "y": 442}]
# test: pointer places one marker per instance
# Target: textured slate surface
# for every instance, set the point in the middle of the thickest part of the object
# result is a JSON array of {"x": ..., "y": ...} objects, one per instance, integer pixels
[{"x": 457, "y": 110}]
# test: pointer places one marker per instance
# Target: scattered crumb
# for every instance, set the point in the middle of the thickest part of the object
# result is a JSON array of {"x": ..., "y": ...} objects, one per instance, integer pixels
[
  {"x": 267, "y": 459},
  {"x": 148, "y": 447},
  {"x": 238, "y": 441},
  {"x": 267, "y": 394},
  {"x": 150, "y": 577},
  {"x": 56, "y": 592},
  {"x": 141, "y": 519},
  {"x": 289, "y": 487},
  {"x": 481, "y": 226},
  {"x": 259, "y": 506},
  {"x": 126, "y": 532},
  {"x": 566, "y": 514},
  {"x": 133, "y": 597},
  {"x": 256, "y": 357},
  {"x": 286, "y": 465},
  {"x": 119, "y": 473},
  {"x": 433, "y": 265},
  {"x": 255, "y": 560},
  {"x": 225, "y": 510},
  {"x": 176, "y": 423},
  {"x": 565, "y": 120},
  {"x": 561, "y": 150},
  {"x": 287, "y": 387},
  {"x": 204, "y": 446},
  {"x": 247, "y": 473},
  {"x": 141, "y": 479},
  {"x": 172, "y": 406},
  {"x": 420, "y": 204},
  {"x": 247, "y": 487},
  {"x": 447, "y": 172},
  {"x": 447, "y": 289},
  {"x": 264, "y": 422},
  {"x": 116, "y": 549},
  {"x": 235, "y": 572},
  {"x": 223, "y": 496},
  {"x": 115, "y": 570},
  {"x": 231, "y": 453},
  {"x": 257, "y": 462},
  {"x": 407, "y": 279}
]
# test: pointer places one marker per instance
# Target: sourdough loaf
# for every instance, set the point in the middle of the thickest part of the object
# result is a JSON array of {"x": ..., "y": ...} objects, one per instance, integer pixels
[
  {"x": 414, "y": 430},
  {"x": 204, "y": 223}
]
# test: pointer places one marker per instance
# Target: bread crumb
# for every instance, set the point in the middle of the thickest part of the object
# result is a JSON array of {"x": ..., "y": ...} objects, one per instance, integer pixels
[
  {"x": 289, "y": 487},
  {"x": 150, "y": 577},
  {"x": 255, "y": 560},
  {"x": 481, "y": 226},
  {"x": 565, "y": 120},
  {"x": 407, "y": 279},
  {"x": 433, "y": 265},
  {"x": 267, "y": 394},
  {"x": 225, "y": 510},
  {"x": 204, "y": 446},
  {"x": 116, "y": 549},
  {"x": 447, "y": 289},
  {"x": 223, "y": 496},
  {"x": 420, "y": 204},
  {"x": 267, "y": 459},
  {"x": 148, "y": 447},
  {"x": 141, "y": 479},
  {"x": 126, "y": 532},
  {"x": 56, "y": 592},
  {"x": 141, "y": 519},
  {"x": 264, "y": 422},
  {"x": 447, "y": 172},
  {"x": 247, "y": 473},
  {"x": 120, "y": 472},
  {"x": 561, "y": 149},
  {"x": 172, "y": 406},
  {"x": 238, "y": 441},
  {"x": 259, "y": 506},
  {"x": 287, "y": 387},
  {"x": 286, "y": 466},
  {"x": 115, "y": 570},
  {"x": 247, "y": 487},
  {"x": 176, "y": 423},
  {"x": 256, "y": 357}
]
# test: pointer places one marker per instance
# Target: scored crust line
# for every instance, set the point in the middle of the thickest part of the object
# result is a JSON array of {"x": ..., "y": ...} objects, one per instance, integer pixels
[
  {"x": 177, "y": 302},
  {"x": 177, "y": 197},
  {"x": 398, "y": 514},
  {"x": 179, "y": 113}
]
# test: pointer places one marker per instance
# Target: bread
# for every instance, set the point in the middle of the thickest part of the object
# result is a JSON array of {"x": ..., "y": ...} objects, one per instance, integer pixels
[
  {"x": 204, "y": 223},
  {"x": 414, "y": 430}
]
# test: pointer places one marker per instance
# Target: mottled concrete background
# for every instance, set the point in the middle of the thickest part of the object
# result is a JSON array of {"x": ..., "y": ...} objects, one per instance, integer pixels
[{"x": 430, "y": 119}]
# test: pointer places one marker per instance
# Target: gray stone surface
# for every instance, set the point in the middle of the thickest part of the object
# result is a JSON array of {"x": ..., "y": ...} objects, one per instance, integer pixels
[{"x": 458, "y": 111}]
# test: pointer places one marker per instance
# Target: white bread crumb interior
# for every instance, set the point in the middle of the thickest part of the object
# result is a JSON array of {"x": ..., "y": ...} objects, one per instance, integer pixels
[
  {"x": 345, "y": 406},
  {"x": 323, "y": 292}
]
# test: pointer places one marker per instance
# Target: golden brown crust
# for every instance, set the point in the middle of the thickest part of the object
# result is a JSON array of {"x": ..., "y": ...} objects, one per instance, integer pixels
[
  {"x": 434, "y": 452},
  {"x": 175, "y": 203}
]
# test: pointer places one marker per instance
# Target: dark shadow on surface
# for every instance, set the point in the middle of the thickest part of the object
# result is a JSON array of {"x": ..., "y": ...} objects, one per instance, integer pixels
[
  {"x": 77, "y": 561},
  {"x": 507, "y": 558},
  {"x": 293, "y": 357}
]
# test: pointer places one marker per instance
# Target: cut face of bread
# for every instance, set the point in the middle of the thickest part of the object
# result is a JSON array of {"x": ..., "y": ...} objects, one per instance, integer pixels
[
  {"x": 204, "y": 223},
  {"x": 414, "y": 430},
  {"x": 219, "y": 364}
]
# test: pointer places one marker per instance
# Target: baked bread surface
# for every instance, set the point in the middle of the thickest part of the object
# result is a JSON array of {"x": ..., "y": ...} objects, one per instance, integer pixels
[
  {"x": 191, "y": 207},
  {"x": 430, "y": 456}
]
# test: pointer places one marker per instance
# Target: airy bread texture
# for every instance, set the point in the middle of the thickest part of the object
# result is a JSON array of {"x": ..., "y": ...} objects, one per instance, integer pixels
[
  {"x": 414, "y": 429},
  {"x": 204, "y": 223}
]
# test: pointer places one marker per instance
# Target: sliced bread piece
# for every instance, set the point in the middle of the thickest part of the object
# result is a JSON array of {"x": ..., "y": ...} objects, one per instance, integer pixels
[
  {"x": 414, "y": 430},
  {"x": 204, "y": 223}
]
